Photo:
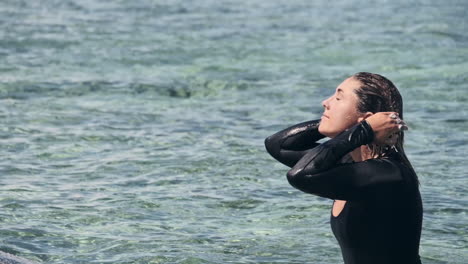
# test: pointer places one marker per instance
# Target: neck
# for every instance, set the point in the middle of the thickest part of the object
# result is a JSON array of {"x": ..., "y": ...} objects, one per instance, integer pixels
[{"x": 360, "y": 154}]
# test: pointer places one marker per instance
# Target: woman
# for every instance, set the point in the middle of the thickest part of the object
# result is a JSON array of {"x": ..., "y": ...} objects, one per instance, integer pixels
[{"x": 377, "y": 210}]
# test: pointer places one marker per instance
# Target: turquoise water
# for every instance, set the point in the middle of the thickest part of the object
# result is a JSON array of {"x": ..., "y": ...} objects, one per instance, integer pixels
[{"x": 132, "y": 131}]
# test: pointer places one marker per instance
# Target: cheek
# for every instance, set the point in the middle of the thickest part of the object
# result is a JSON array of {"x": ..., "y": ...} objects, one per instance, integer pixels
[
  {"x": 345, "y": 115},
  {"x": 339, "y": 122}
]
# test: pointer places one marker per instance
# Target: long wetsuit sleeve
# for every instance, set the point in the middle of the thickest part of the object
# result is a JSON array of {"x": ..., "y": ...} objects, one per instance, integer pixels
[
  {"x": 318, "y": 173},
  {"x": 289, "y": 145}
]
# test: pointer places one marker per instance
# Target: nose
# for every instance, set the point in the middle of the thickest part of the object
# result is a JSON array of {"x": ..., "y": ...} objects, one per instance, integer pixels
[{"x": 325, "y": 103}]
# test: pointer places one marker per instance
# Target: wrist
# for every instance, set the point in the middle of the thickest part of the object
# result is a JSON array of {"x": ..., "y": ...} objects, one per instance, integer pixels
[{"x": 368, "y": 129}]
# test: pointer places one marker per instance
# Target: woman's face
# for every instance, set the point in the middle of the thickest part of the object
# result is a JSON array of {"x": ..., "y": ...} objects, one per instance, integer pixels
[{"x": 340, "y": 111}]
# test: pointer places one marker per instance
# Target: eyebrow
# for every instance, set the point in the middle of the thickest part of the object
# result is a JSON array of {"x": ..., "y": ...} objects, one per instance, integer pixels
[{"x": 339, "y": 90}]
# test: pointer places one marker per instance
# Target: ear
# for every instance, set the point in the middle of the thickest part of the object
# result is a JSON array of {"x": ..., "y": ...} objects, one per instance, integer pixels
[{"x": 365, "y": 116}]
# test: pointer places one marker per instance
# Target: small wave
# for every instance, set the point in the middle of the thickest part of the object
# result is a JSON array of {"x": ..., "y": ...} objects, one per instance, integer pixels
[
  {"x": 177, "y": 89},
  {"x": 26, "y": 90},
  {"x": 241, "y": 204}
]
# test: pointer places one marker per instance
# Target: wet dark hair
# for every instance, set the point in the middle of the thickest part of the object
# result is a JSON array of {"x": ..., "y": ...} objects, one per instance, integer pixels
[{"x": 379, "y": 94}]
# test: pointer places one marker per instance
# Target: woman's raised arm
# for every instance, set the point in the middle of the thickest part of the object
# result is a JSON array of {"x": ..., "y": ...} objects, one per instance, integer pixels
[
  {"x": 289, "y": 145},
  {"x": 317, "y": 172}
]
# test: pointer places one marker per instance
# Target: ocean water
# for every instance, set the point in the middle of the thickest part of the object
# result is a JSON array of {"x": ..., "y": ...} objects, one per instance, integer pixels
[{"x": 132, "y": 131}]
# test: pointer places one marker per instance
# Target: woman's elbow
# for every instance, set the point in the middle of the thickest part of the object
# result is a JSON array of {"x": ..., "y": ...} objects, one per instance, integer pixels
[
  {"x": 270, "y": 146},
  {"x": 293, "y": 177},
  {"x": 267, "y": 143},
  {"x": 304, "y": 183}
]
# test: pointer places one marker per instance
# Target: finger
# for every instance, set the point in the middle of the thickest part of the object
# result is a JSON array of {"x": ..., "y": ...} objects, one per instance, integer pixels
[
  {"x": 402, "y": 127},
  {"x": 394, "y": 115}
]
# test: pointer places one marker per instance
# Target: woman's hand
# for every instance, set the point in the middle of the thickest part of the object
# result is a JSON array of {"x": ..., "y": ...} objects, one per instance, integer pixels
[{"x": 386, "y": 126}]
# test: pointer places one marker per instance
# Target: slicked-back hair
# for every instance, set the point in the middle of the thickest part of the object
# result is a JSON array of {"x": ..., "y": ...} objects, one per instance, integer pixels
[{"x": 378, "y": 94}]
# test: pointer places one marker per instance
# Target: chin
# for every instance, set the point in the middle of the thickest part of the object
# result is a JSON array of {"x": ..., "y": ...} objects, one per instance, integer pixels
[
  {"x": 331, "y": 133},
  {"x": 326, "y": 132}
]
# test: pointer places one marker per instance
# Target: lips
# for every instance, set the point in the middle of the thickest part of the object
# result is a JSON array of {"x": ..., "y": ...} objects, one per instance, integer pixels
[{"x": 325, "y": 116}]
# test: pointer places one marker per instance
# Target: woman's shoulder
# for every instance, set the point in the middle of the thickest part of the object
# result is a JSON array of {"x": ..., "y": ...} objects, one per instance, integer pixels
[{"x": 407, "y": 173}]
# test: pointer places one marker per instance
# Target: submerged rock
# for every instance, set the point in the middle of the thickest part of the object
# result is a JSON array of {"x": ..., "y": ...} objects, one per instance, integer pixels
[{"x": 6, "y": 258}]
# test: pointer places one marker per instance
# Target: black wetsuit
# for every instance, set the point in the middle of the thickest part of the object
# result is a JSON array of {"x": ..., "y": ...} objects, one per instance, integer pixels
[{"x": 382, "y": 218}]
